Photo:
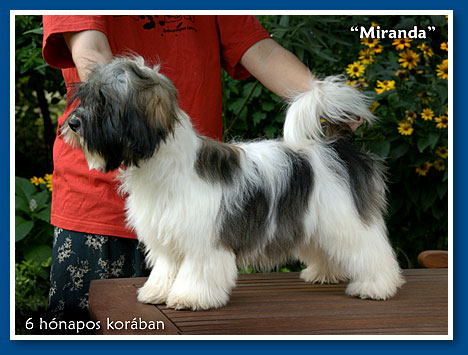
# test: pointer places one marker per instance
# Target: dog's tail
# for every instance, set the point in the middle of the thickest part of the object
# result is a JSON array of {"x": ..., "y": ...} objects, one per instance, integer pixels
[{"x": 330, "y": 99}]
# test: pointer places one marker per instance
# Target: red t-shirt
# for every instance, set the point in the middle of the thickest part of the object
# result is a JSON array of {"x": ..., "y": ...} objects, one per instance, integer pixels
[{"x": 191, "y": 51}]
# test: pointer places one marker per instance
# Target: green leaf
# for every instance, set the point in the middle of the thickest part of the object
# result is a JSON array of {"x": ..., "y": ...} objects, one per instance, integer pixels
[
  {"x": 258, "y": 116},
  {"x": 380, "y": 148},
  {"x": 270, "y": 132},
  {"x": 430, "y": 140},
  {"x": 257, "y": 91},
  {"x": 39, "y": 253},
  {"x": 323, "y": 55},
  {"x": 442, "y": 93},
  {"x": 236, "y": 105},
  {"x": 247, "y": 88},
  {"x": 22, "y": 228},
  {"x": 44, "y": 214},
  {"x": 427, "y": 199},
  {"x": 37, "y": 31},
  {"x": 441, "y": 190},
  {"x": 268, "y": 106},
  {"x": 399, "y": 150},
  {"x": 41, "y": 199},
  {"x": 24, "y": 188}
]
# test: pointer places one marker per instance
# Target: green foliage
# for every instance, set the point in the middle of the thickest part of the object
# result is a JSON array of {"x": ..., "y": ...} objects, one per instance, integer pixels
[
  {"x": 33, "y": 241},
  {"x": 31, "y": 290},
  {"x": 39, "y": 99},
  {"x": 33, "y": 232},
  {"x": 418, "y": 203}
]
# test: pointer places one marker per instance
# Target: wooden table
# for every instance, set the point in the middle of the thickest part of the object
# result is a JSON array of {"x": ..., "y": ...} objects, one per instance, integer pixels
[{"x": 280, "y": 303}]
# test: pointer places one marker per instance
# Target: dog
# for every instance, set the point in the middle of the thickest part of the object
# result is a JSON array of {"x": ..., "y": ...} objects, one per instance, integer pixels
[{"x": 203, "y": 208}]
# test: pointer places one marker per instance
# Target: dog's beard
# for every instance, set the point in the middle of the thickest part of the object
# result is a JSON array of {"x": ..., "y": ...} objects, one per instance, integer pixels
[{"x": 76, "y": 141}]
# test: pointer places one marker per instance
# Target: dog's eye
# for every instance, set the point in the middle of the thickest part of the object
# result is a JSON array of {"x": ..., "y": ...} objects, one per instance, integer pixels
[{"x": 74, "y": 124}]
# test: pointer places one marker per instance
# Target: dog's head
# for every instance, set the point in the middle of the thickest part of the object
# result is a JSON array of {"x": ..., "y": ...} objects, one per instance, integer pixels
[{"x": 123, "y": 113}]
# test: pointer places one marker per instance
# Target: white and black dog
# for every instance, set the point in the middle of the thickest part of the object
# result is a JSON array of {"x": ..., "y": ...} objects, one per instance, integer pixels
[{"x": 202, "y": 208}]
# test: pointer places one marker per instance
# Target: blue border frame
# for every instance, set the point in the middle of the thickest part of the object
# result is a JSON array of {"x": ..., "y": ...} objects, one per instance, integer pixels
[{"x": 274, "y": 347}]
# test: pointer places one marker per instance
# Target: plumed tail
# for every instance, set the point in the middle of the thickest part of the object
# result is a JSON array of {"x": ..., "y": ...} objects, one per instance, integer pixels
[{"x": 330, "y": 99}]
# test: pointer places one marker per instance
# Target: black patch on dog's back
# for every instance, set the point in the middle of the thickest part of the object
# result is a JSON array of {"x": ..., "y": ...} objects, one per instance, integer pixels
[
  {"x": 293, "y": 203},
  {"x": 217, "y": 161},
  {"x": 361, "y": 168},
  {"x": 245, "y": 229}
]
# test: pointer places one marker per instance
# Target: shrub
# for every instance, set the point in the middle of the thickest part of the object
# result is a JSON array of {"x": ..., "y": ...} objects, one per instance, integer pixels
[
  {"x": 31, "y": 291},
  {"x": 33, "y": 248}
]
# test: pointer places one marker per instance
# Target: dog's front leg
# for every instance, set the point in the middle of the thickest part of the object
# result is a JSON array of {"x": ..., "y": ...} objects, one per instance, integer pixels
[
  {"x": 205, "y": 280},
  {"x": 163, "y": 273}
]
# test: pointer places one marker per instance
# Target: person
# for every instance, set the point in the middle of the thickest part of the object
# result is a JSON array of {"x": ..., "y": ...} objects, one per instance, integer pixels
[{"x": 91, "y": 239}]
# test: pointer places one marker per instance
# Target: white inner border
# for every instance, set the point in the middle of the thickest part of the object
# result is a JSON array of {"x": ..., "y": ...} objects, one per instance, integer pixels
[{"x": 14, "y": 13}]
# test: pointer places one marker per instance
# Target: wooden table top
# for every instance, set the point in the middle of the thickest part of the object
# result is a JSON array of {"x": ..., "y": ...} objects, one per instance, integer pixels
[{"x": 280, "y": 303}]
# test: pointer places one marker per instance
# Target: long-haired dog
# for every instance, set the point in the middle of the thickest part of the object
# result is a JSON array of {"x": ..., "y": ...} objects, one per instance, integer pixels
[{"x": 202, "y": 208}]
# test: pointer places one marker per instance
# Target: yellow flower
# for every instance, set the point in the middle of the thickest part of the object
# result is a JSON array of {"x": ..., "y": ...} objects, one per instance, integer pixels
[
  {"x": 442, "y": 152},
  {"x": 439, "y": 165},
  {"x": 355, "y": 70},
  {"x": 48, "y": 180},
  {"x": 423, "y": 169},
  {"x": 442, "y": 121},
  {"x": 370, "y": 42},
  {"x": 365, "y": 56},
  {"x": 408, "y": 59},
  {"x": 401, "y": 43},
  {"x": 374, "y": 106},
  {"x": 427, "y": 51},
  {"x": 373, "y": 24},
  {"x": 411, "y": 116},
  {"x": 427, "y": 114},
  {"x": 401, "y": 74},
  {"x": 425, "y": 98},
  {"x": 385, "y": 85},
  {"x": 376, "y": 49},
  {"x": 442, "y": 69},
  {"x": 405, "y": 128},
  {"x": 358, "y": 84},
  {"x": 36, "y": 181},
  {"x": 444, "y": 46}
]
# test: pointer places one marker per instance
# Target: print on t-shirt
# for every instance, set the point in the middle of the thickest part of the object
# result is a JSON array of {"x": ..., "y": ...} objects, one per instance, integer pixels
[{"x": 168, "y": 24}]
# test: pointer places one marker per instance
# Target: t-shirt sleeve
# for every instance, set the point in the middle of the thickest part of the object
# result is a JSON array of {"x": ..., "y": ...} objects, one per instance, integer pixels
[
  {"x": 54, "y": 48},
  {"x": 237, "y": 34}
]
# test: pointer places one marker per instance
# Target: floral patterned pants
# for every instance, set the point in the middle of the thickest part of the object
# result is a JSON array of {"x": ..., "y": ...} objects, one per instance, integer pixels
[{"x": 78, "y": 258}]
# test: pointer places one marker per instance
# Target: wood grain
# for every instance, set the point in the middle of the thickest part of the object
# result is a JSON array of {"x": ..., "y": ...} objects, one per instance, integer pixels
[{"x": 281, "y": 303}]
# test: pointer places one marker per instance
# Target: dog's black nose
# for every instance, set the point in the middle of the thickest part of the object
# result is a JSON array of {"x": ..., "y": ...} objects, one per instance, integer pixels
[{"x": 74, "y": 124}]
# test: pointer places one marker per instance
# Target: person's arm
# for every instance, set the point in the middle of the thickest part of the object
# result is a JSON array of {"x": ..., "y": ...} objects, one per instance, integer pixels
[
  {"x": 279, "y": 70},
  {"x": 276, "y": 68},
  {"x": 87, "y": 49}
]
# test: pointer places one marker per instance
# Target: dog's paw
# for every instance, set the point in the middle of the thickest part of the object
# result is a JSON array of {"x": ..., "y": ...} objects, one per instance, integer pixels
[
  {"x": 196, "y": 301},
  {"x": 314, "y": 275},
  {"x": 376, "y": 290},
  {"x": 151, "y": 294}
]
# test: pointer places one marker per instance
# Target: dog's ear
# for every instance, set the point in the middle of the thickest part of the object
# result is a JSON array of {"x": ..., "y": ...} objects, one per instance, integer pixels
[{"x": 149, "y": 112}]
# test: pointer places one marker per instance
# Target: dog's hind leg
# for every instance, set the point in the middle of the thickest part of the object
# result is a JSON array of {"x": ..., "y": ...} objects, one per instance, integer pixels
[
  {"x": 366, "y": 256},
  {"x": 205, "y": 280},
  {"x": 372, "y": 264},
  {"x": 320, "y": 269},
  {"x": 163, "y": 273}
]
